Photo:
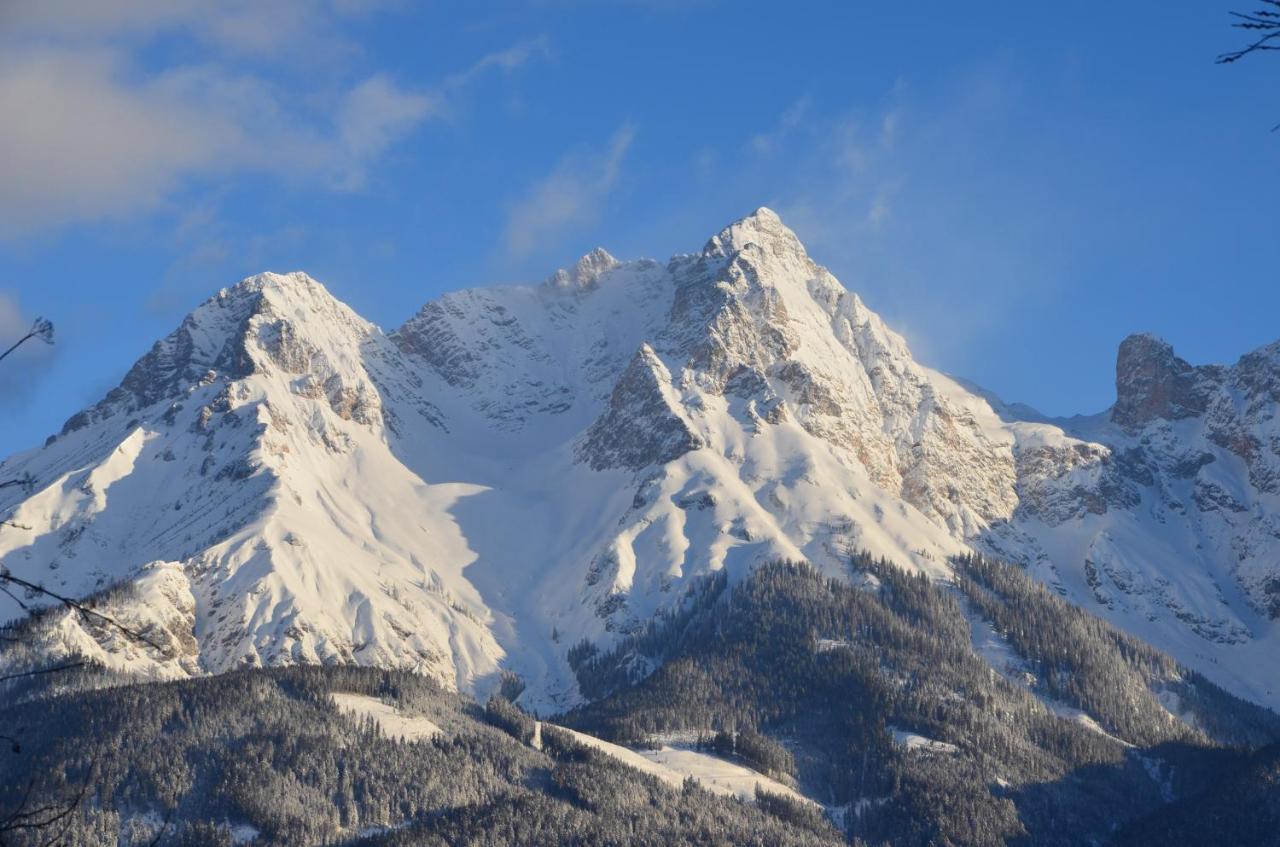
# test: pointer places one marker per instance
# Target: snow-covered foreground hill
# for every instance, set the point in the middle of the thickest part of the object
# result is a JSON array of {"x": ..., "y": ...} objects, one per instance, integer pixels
[{"x": 517, "y": 469}]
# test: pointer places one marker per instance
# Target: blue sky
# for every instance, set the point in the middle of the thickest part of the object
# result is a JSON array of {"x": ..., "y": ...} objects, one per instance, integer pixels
[{"x": 1015, "y": 187}]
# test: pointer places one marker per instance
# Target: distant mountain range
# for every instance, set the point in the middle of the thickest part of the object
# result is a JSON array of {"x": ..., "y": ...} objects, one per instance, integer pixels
[{"x": 515, "y": 471}]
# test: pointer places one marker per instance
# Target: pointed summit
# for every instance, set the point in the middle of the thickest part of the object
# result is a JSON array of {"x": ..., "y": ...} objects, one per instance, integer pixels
[
  {"x": 294, "y": 282},
  {"x": 586, "y": 272},
  {"x": 284, "y": 319},
  {"x": 762, "y": 227}
]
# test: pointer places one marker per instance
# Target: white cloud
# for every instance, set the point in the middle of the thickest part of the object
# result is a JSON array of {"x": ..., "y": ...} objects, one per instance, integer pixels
[
  {"x": 372, "y": 117},
  {"x": 80, "y": 144},
  {"x": 92, "y": 132},
  {"x": 568, "y": 197},
  {"x": 89, "y": 141},
  {"x": 243, "y": 27}
]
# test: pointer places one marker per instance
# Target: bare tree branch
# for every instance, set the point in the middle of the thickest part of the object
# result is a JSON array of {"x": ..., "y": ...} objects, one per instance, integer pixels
[
  {"x": 55, "y": 669},
  {"x": 14, "y": 597},
  {"x": 41, "y": 329},
  {"x": 1264, "y": 21},
  {"x": 75, "y": 605},
  {"x": 51, "y": 820},
  {"x": 46, "y": 816}
]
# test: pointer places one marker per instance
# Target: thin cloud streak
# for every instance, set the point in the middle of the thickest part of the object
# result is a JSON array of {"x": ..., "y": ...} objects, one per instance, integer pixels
[
  {"x": 568, "y": 197},
  {"x": 789, "y": 121},
  {"x": 909, "y": 207},
  {"x": 511, "y": 59}
]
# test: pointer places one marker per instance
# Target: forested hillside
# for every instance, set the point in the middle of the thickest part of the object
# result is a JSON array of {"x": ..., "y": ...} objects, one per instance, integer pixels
[
  {"x": 1241, "y": 809},
  {"x": 265, "y": 755},
  {"x": 983, "y": 712},
  {"x": 873, "y": 686}
]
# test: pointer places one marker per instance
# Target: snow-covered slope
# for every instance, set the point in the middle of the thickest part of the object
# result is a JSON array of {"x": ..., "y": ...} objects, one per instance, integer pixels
[
  {"x": 516, "y": 469},
  {"x": 1172, "y": 530},
  {"x": 241, "y": 477}
]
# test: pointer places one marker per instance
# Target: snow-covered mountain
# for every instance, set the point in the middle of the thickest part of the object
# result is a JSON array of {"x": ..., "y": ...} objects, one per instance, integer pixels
[{"x": 516, "y": 469}]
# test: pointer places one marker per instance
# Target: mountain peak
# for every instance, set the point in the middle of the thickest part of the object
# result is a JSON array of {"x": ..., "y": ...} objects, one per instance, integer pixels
[
  {"x": 218, "y": 338},
  {"x": 764, "y": 215},
  {"x": 586, "y": 272},
  {"x": 762, "y": 227},
  {"x": 627, "y": 429},
  {"x": 1153, "y": 382},
  {"x": 279, "y": 288}
]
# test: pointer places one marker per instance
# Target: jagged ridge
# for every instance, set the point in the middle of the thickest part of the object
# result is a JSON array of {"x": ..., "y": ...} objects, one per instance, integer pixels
[{"x": 516, "y": 469}]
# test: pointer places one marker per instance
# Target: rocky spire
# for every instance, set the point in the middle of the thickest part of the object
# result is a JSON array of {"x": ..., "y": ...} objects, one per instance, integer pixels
[
  {"x": 1152, "y": 382},
  {"x": 762, "y": 227},
  {"x": 586, "y": 272}
]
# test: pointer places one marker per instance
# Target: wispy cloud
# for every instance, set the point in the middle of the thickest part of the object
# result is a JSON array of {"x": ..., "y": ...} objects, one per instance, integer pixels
[
  {"x": 792, "y": 118},
  {"x": 94, "y": 132},
  {"x": 913, "y": 205},
  {"x": 81, "y": 145},
  {"x": 372, "y": 117},
  {"x": 508, "y": 60},
  {"x": 568, "y": 197},
  {"x": 91, "y": 141}
]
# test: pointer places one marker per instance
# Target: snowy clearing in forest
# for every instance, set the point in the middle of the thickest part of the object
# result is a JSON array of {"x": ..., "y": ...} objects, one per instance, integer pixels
[
  {"x": 913, "y": 741},
  {"x": 394, "y": 723},
  {"x": 997, "y": 652},
  {"x": 674, "y": 764}
]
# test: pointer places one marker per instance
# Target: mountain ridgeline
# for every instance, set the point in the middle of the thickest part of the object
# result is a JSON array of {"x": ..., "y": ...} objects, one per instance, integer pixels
[
  {"x": 282, "y": 482},
  {"x": 712, "y": 501}
]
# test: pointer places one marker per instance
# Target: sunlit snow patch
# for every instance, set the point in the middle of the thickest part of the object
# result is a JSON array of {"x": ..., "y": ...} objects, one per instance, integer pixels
[
  {"x": 913, "y": 742},
  {"x": 393, "y": 722},
  {"x": 674, "y": 764}
]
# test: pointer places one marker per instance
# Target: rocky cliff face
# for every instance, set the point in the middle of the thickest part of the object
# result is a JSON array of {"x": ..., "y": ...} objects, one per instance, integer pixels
[
  {"x": 1214, "y": 427},
  {"x": 1152, "y": 383},
  {"x": 516, "y": 469},
  {"x": 644, "y": 423}
]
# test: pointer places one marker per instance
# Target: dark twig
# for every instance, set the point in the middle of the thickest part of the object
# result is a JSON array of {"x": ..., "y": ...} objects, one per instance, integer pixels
[
  {"x": 14, "y": 597},
  {"x": 41, "y": 329},
  {"x": 46, "y": 816},
  {"x": 43, "y": 671},
  {"x": 51, "y": 819},
  {"x": 1264, "y": 21},
  {"x": 76, "y": 606}
]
